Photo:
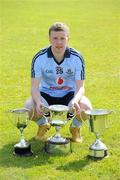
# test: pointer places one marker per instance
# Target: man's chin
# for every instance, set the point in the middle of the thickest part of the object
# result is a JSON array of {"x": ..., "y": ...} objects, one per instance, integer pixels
[{"x": 60, "y": 50}]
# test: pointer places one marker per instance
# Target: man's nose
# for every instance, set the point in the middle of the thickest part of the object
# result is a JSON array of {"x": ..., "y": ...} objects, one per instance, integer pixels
[{"x": 59, "y": 41}]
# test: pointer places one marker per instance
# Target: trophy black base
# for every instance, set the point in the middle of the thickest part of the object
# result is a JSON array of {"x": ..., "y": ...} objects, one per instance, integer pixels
[
  {"x": 22, "y": 151},
  {"x": 98, "y": 154},
  {"x": 58, "y": 148}
]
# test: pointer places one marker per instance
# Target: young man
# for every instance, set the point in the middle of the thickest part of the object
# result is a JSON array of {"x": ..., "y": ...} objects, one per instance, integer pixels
[{"x": 57, "y": 77}]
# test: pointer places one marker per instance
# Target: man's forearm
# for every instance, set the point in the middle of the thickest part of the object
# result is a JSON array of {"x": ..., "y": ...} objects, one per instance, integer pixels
[
  {"x": 35, "y": 95},
  {"x": 79, "y": 93}
]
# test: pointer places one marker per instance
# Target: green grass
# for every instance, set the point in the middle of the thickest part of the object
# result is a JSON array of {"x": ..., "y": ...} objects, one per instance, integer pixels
[{"x": 94, "y": 32}]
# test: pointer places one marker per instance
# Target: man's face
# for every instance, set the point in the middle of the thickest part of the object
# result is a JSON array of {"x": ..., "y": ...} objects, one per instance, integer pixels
[{"x": 58, "y": 40}]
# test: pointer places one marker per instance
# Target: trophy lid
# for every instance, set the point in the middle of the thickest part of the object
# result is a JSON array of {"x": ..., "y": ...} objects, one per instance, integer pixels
[
  {"x": 19, "y": 111},
  {"x": 59, "y": 108},
  {"x": 98, "y": 112}
]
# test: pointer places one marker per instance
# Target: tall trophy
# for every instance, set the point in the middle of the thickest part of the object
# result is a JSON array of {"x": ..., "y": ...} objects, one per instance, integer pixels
[
  {"x": 97, "y": 124},
  {"x": 58, "y": 144},
  {"x": 20, "y": 118}
]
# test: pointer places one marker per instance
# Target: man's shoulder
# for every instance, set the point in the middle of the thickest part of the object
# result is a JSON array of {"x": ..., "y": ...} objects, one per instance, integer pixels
[
  {"x": 41, "y": 52},
  {"x": 76, "y": 53}
]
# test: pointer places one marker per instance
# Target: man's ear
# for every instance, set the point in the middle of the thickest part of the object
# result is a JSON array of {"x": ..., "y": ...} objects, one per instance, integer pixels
[
  {"x": 68, "y": 39},
  {"x": 49, "y": 39}
]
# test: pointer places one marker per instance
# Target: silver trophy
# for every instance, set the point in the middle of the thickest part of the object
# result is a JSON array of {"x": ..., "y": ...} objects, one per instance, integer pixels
[
  {"x": 20, "y": 118},
  {"x": 58, "y": 118},
  {"x": 97, "y": 124}
]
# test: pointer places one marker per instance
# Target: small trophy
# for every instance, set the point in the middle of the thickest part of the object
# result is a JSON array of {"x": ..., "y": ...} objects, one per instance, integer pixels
[
  {"x": 20, "y": 118},
  {"x": 97, "y": 124},
  {"x": 58, "y": 118}
]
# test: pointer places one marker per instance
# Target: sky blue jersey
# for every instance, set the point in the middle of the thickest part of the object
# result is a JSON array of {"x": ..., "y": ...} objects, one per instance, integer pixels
[{"x": 58, "y": 78}]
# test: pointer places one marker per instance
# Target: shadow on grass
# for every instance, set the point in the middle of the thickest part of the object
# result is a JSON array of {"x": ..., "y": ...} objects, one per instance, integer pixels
[
  {"x": 39, "y": 157},
  {"x": 75, "y": 165}
]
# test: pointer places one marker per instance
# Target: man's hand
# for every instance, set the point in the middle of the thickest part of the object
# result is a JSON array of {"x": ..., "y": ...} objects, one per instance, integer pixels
[
  {"x": 78, "y": 95},
  {"x": 39, "y": 108},
  {"x": 76, "y": 104}
]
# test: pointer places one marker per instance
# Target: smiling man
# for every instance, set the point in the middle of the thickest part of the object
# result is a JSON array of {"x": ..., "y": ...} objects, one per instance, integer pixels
[{"x": 57, "y": 77}]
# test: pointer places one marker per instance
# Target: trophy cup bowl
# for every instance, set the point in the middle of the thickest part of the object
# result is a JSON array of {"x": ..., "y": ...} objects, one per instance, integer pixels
[
  {"x": 97, "y": 124},
  {"x": 58, "y": 118},
  {"x": 20, "y": 119}
]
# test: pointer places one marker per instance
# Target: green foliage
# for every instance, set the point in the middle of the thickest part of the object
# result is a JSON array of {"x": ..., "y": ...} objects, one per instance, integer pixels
[{"x": 94, "y": 32}]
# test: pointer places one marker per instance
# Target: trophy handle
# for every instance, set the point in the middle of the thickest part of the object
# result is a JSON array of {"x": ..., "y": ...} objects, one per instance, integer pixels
[
  {"x": 73, "y": 113},
  {"x": 84, "y": 117},
  {"x": 31, "y": 112},
  {"x": 46, "y": 111}
]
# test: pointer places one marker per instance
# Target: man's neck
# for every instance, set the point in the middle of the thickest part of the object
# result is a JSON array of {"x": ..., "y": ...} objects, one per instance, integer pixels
[{"x": 58, "y": 56}]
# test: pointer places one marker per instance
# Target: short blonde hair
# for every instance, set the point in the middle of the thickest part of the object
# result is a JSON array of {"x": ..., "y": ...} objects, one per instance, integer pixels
[{"x": 59, "y": 26}]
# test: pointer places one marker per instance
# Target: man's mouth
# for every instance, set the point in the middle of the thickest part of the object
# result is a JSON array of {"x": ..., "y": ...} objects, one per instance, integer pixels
[{"x": 59, "y": 47}]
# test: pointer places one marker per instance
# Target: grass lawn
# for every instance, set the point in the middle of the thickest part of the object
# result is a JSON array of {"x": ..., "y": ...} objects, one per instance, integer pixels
[{"x": 95, "y": 33}]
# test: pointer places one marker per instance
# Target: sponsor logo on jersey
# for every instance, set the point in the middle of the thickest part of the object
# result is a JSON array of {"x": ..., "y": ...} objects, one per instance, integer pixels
[
  {"x": 60, "y": 80},
  {"x": 60, "y": 88}
]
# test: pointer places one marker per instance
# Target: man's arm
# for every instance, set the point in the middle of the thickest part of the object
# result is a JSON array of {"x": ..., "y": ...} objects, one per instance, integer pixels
[
  {"x": 80, "y": 90},
  {"x": 36, "y": 95}
]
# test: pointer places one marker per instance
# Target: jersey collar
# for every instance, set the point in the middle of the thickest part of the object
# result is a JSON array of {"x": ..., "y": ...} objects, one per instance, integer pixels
[{"x": 66, "y": 55}]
